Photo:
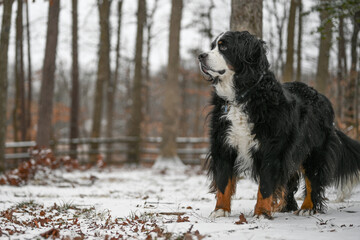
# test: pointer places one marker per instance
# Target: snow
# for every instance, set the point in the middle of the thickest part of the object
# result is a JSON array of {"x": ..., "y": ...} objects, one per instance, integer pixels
[
  {"x": 125, "y": 192},
  {"x": 163, "y": 163}
]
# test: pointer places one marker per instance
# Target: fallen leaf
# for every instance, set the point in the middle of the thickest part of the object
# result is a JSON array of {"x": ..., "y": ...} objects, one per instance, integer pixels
[
  {"x": 242, "y": 219},
  {"x": 55, "y": 233},
  {"x": 182, "y": 219}
]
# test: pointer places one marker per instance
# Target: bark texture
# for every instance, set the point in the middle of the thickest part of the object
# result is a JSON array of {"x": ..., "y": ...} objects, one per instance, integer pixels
[
  {"x": 341, "y": 69},
  {"x": 75, "y": 97},
  {"x": 299, "y": 43},
  {"x": 246, "y": 15},
  {"x": 349, "y": 113},
  {"x": 19, "y": 114},
  {"x": 171, "y": 102},
  {"x": 48, "y": 76},
  {"x": 103, "y": 72},
  {"x": 322, "y": 73},
  {"x": 149, "y": 37},
  {"x": 112, "y": 84},
  {"x": 29, "y": 77},
  {"x": 4, "y": 46},
  {"x": 289, "y": 69},
  {"x": 137, "y": 103}
]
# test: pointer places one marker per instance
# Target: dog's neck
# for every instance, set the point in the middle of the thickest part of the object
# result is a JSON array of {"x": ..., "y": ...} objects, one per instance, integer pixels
[
  {"x": 240, "y": 98},
  {"x": 246, "y": 94}
]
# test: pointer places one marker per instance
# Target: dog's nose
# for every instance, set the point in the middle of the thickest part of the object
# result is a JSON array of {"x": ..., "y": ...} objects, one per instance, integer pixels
[{"x": 202, "y": 56}]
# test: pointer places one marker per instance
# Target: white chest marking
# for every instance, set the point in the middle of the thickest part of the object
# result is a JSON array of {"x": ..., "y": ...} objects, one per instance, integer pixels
[{"x": 239, "y": 137}]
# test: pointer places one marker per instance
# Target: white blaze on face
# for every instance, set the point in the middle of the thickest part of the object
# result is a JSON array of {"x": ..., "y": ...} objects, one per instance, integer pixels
[{"x": 216, "y": 62}]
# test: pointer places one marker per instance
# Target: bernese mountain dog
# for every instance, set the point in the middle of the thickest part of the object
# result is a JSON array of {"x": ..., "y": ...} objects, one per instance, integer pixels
[{"x": 275, "y": 132}]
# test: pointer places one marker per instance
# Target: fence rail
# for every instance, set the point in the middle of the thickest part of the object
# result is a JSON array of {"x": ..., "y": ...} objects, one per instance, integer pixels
[{"x": 191, "y": 149}]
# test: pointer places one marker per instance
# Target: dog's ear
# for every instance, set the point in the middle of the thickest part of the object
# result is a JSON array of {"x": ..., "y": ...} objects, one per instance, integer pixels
[
  {"x": 259, "y": 55},
  {"x": 251, "y": 51}
]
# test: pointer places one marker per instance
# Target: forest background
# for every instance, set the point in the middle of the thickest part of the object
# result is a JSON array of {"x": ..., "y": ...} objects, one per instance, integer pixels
[{"x": 110, "y": 69}]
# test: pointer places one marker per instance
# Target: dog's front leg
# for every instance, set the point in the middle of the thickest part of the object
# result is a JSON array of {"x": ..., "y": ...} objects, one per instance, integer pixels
[
  {"x": 263, "y": 205},
  {"x": 268, "y": 178},
  {"x": 223, "y": 200}
]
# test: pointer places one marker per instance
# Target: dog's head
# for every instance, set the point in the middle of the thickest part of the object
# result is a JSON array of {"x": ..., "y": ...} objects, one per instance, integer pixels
[{"x": 233, "y": 53}]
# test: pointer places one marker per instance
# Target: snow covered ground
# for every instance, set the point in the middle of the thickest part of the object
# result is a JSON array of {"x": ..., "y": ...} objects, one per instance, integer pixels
[{"x": 142, "y": 203}]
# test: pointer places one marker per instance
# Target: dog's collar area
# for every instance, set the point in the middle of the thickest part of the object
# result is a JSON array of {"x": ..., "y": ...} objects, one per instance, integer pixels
[
  {"x": 226, "y": 107},
  {"x": 243, "y": 96}
]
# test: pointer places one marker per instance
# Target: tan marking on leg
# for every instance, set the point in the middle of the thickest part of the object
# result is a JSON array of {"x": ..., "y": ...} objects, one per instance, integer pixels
[
  {"x": 263, "y": 205},
  {"x": 279, "y": 200},
  {"x": 307, "y": 204},
  {"x": 224, "y": 199}
]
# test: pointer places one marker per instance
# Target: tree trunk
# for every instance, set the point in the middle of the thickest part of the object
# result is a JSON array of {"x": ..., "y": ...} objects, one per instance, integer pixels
[
  {"x": 357, "y": 93},
  {"x": 299, "y": 43},
  {"x": 112, "y": 85},
  {"x": 29, "y": 77},
  {"x": 172, "y": 101},
  {"x": 75, "y": 101},
  {"x": 322, "y": 73},
  {"x": 289, "y": 70},
  {"x": 246, "y": 15},
  {"x": 350, "y": 88},
  {"x": 341, "y": 71},
  {"x": 103, "y": 72},
  {"x": 280, "y": 23},
  {"x": 48, "y": 75},
  {"x": 4, "y": 46},
  {"x": 136, "y": 108},
  {"x": 149, "y": 25},
  {"x": 357, "y": 107},
  {"x": 19, "y": 115}
]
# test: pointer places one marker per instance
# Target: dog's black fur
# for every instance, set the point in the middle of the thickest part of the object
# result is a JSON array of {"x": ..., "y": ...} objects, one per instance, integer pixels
[{"x": 292, "y": 122}]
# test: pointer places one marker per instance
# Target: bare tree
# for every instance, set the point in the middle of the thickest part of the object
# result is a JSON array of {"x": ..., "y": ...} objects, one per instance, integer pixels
[
  {"x": 280, "y": 20},
  {"x": 103, "y": 72},
  {"x": 289, "y": 69},
  {"x": 171, "y": 102},
  {"x": 149, "y": 28},
  {"x": 19, "y": 115},
  {"x": 322, "y": 72},
  {"x": 112, "y": 84},
  {"x": 136, "y": 108},
  {"x": 29, "y": 77},
  {"x": 48, "y": 76},
  {"x": 4, "y": 45},
  {"x": 205, "y": 19},
  {"x": 75, "y": 101},
  {"x": 350, "y": 88},
  {"x": 354, "y": 59},
  {"x": 299, "y": 42},
  {"x": 246, "y": 15},
  {"x": 342, "y": 68}
]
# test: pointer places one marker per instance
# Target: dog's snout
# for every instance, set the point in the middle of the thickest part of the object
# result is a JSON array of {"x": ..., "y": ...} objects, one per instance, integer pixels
[{"x": 202, "y": 56}]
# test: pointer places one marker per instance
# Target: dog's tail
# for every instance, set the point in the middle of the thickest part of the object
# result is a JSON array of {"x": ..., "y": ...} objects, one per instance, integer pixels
[{"x": 347, "y": 173}]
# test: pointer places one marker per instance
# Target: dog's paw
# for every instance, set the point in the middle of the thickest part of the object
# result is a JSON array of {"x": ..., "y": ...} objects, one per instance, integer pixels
[
  {"x": 305, "y": 212},
  {"x": 219, "y": 213},
  {"x": 263, "y": 216}
]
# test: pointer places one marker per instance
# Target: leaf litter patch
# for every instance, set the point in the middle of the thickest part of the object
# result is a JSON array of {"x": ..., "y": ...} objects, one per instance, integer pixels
[{"x": 68, "y": 221}]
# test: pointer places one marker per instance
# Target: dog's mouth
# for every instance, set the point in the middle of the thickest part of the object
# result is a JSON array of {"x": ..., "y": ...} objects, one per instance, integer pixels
[{"x": 206, "y": 70}]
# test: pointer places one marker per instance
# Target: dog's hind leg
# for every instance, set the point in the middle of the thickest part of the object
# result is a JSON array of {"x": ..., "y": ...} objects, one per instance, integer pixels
[
  {"x": 223, "y": 200},
  {"x": 308, "y": 206},
  {"x": 315, "y": 181},
  {"x": 290, "y": 203}
]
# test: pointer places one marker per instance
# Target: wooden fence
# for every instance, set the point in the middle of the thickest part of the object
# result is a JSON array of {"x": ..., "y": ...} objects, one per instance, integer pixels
[{"x": 192, "y": 150}]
